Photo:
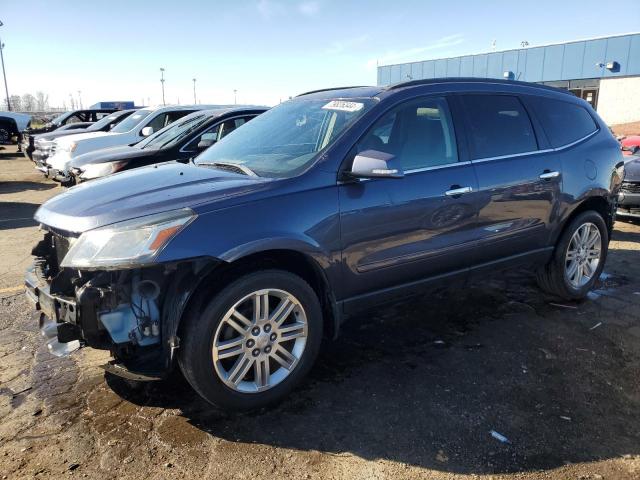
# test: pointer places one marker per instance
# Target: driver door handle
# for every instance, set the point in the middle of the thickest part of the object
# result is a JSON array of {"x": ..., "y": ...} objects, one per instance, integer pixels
[
  {"x": 457, "y": 191},
  {"x": 547, "y": 175}
]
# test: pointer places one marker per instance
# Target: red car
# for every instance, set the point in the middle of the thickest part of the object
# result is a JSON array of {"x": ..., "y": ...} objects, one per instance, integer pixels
[{"x": 630, "y": 145}]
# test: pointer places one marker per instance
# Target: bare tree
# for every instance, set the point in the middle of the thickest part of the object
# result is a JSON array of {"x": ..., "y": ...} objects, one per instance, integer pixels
[
  {"x": 16, "y": 103},
  {"x": 42, "y": 101},
  {"x": 28, "y": 102}
]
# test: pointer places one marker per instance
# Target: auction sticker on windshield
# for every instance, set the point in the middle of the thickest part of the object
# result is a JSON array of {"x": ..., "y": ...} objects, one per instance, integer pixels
[{"x": 343, "y": 106}]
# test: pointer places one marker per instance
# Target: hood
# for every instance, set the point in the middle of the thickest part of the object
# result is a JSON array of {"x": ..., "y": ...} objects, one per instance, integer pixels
[
  {"x": 632, "y": 169},
  {"x": 111, "y": 154},
  {"x": 142, "y": 191},
  {"x": 56, "y": 134},
  {"x": 83, "y": 136},
  {"x": 22, "y": 119},
  {"x": 90, "y": 141}
]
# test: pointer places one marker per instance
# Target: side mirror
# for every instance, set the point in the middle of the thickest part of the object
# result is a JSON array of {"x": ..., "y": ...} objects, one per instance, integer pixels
[
  {"x": 375, "y": 164},
  {"x": 207, "y": 139},
  {"x": 146, "y": 131}
]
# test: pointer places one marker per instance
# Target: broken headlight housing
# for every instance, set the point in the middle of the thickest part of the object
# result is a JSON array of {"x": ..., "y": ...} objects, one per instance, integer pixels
[{"x": 127, "y": 244}]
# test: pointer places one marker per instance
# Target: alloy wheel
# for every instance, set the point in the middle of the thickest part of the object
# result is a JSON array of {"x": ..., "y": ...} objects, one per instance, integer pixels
[
  {"x": 260, "y": 340},
  {"x": 583, "y": 255}
]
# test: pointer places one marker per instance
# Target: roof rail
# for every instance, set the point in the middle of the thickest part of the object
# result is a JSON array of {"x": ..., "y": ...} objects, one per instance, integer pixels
[
  {"x": 330, "y": 89},
  {"x": 430, "y": 81}
]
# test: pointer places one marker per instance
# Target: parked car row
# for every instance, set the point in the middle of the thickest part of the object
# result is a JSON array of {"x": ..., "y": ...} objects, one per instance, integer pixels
[
  {"x": 64, "y": 119},
  {"x": 132, "y": 138},
  {"x": 235, "y": 265},
  {"x": 178, "y": 141},
  {"x": 44, "y": 143}
]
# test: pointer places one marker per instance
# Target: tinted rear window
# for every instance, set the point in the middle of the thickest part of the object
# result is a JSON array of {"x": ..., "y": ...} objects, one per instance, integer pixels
[
  {"x": 499, "y": 125},
  {"x": 563, "y": 122}
]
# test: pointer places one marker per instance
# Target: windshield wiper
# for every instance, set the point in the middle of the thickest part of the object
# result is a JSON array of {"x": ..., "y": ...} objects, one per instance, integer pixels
[{"x": 231, "y": 167}]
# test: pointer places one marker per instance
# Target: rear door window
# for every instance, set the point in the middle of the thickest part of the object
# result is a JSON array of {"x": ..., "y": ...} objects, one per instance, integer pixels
[
  {"x": 563, "y": 122},
  {"x": 498, "y": 126}
]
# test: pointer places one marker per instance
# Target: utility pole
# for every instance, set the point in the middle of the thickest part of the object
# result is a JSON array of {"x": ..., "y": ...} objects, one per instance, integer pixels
[
  {"x": 194, "y": 91},
  {"x": 235, "y": 96},
  {"x": 80, "y": 98},
  {"x": 162, "y": 83},
  {"x": 4, "y": 74}
]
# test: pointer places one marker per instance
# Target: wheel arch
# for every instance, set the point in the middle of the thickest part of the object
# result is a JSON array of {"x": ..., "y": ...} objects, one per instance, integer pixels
[
  {"x": 214, "y": 278},
  {"x": 596, "y": 202}
]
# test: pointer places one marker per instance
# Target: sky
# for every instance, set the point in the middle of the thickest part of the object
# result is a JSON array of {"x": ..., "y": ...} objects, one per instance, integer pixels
[{"x": 266, "y": 50}]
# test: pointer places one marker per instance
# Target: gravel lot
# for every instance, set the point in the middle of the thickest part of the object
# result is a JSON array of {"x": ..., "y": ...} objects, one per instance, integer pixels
[{"x": 411, "y": 391}]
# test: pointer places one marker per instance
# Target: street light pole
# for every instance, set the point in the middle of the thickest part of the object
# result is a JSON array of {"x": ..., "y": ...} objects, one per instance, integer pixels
[
  {"x": 194, "y": 91},
  {"x": 4, "y": 74},
  {"x": 162, "y": 83}
]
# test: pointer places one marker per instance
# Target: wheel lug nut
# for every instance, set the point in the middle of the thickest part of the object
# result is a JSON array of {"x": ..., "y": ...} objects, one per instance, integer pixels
[
  {"x": 256, "y": 352},
  {"x": 267, "y": 349},
  {"x": 250, "y": 343},
  {"x": 255, "y": 330},
  {"x": 267, "y": 328},
  {"x": 273, "y": 337}
]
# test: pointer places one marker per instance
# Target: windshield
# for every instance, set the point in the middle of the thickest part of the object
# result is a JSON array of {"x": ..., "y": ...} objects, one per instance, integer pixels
[
  {"x": 60, "y": 118},
  {"x": 104, "y": 121},
  {"x": 131, "y": 121},
  {"x": 284, "y": 141},
  {"x": 173, "y": 133}
]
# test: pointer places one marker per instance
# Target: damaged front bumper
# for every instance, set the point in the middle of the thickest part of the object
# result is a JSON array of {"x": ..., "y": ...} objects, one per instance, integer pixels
[
  {"x": 133, "y": 313},
  {"x": 57, "y": 318}
]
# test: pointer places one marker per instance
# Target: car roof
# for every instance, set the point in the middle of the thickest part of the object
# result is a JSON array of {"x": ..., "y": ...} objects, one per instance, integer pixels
[
  {"x": 218, "y": 112},
  {"x": 123, "y": 112},
  {"x": 461, "y": 82},
  {"x": 343, "y": 92},
  {"x": 177, "y": 108},
  {"x": 498, "y": 82}
]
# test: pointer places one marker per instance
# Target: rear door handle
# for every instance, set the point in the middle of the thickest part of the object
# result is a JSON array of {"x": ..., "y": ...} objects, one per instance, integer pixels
[
  {"x": 457, "y": 191},
  {"x": 547, "y": 175}
]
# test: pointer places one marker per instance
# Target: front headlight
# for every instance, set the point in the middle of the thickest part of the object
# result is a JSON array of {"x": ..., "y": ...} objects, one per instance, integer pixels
[
  {"x": 127, "y": 244},
  {"x": 97, "y": 170},
  {"x": 69, "y": 147}
]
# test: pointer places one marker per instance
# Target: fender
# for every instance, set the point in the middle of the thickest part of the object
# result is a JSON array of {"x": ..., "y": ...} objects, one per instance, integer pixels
[{"x": 592, "y": 193}]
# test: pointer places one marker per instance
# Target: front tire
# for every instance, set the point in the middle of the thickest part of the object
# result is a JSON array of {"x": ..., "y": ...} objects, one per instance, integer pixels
[
  {"x": 253, "y": 342},
  {"x": 578, "y": 259}
]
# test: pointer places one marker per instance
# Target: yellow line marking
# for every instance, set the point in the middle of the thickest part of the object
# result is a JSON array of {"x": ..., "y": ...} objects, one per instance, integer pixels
[{"x": 11, "y": 289}]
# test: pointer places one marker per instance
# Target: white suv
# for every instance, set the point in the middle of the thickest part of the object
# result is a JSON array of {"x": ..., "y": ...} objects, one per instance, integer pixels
[{"x": 140, "y": 124}]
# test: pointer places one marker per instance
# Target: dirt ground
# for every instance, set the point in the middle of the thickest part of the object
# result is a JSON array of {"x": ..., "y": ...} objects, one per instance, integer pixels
[
  {"x": 632, "y": 128},
  {"x": 411, "y": 391}
]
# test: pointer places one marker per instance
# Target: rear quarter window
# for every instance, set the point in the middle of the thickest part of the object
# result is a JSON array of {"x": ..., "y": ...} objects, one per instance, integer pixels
[
  {"x": 563, "y": 122},
  {"x": 498, "y": 126}
]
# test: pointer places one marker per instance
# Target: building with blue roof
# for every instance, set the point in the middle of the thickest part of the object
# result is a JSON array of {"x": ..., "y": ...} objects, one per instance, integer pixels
[{"x": 603, "y": 71}]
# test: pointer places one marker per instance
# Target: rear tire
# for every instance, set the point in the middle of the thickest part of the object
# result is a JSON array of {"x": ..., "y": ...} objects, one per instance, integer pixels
[
  {"x": 572, "y": 271},
  {"x": 254, "y": 342}
]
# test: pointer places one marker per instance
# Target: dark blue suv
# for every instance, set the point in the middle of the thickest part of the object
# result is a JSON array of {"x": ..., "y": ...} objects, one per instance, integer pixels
[{"x": 236, "y": 265}]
